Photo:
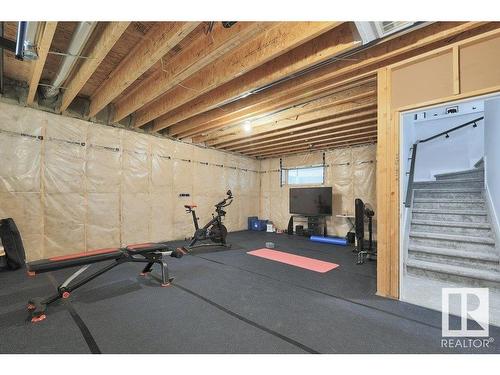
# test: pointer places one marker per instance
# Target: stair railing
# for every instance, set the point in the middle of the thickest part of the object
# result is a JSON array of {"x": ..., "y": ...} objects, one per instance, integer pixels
[{"x": 413, "y": 158}]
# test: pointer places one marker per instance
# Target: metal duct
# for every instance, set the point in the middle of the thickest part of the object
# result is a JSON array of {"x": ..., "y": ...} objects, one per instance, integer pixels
[
  {"x": 31, "y": 41},
  {"x": 78, "y": 41},
  {"x": 21, "y": 37}
]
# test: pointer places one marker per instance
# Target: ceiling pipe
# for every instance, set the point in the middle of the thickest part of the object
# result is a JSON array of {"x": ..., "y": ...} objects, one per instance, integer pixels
[
  {"x": 78, "y": 41},
  {"x": 21, "y": 37}
]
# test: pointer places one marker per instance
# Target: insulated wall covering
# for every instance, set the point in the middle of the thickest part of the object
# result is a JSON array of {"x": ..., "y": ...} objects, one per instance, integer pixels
[
  {"x": 349, "y": 171},
  {"x": 73, "y": 186}
]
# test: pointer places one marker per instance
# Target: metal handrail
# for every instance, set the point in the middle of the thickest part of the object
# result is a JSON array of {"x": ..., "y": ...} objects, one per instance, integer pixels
[{"x": 413, "y": 158}]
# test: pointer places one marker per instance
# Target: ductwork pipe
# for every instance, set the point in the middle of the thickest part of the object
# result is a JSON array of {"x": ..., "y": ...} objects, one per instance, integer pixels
[{"x": 78, "y": 41}]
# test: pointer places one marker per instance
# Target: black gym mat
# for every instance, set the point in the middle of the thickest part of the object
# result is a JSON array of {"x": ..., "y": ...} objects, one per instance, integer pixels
[{"x": 223, "y": 302}]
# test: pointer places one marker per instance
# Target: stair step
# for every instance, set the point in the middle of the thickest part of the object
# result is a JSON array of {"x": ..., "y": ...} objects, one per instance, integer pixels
[
  {"x": 452, "y": 241},
  {"x": 467, "y": 174},
  {"x": 449, "y": 203},
  {"x": 440, "y": 184},
  {"x": 471, "y": 276},
  {"x": 475, "y": 259},
  {"x": 455, "y": 227},
  {"x": 475, "y": 193},
  {"x": 472, "y": 216}
]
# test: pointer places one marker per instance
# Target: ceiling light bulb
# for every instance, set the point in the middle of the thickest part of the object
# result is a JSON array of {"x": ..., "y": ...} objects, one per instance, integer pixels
[{"x": 247, "y": 126}]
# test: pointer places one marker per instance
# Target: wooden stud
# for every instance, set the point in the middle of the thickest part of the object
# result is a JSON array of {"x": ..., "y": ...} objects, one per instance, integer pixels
[
  {"x": 274, "y": 42},
  {"x": 160, "y": 39},
  {"x": 110, "y": 35},
  {"x": 456, "y": 70},
  {"x": 43, "y": 50}
]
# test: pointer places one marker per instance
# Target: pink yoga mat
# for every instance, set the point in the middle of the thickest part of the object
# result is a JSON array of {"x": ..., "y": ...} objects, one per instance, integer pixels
[{"x": 294, "y": 260}]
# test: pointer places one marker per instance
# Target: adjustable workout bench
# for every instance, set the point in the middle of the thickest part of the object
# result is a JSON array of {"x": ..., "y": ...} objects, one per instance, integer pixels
[{"x": 149, "y": 253}]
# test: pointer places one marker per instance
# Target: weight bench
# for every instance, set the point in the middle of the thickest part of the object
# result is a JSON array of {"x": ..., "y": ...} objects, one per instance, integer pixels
[{"x": 149, "y": 253}]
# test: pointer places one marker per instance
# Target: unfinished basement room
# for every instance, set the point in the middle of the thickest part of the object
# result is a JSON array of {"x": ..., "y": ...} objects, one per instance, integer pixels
[{"x": 249, "y": 187}]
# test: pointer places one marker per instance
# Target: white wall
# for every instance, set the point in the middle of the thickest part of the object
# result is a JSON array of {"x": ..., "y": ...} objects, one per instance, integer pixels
[
  {"x": 442, "y": 155},
  {"x": 492, "y": 158}
]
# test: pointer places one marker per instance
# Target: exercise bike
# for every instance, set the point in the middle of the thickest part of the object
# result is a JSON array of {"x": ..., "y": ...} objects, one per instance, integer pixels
[{"x": 214, "y": 230}]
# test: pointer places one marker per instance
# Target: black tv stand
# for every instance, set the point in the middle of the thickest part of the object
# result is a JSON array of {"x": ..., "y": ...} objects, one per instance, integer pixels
[{"x": 316, "y": 224}]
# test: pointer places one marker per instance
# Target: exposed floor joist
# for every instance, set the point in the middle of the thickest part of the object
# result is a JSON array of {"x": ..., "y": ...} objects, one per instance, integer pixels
[
  {"x": 332, "y": 43},
  {"x": 266, "y": 47},
  {"x": 308, "y": 136},
  {"x": 196, "y": 56},
  {"x": 109, "y": 36},
  {"x": 157, "y": 42},
  {"x": 43, "y": 50},
  {"x": 318, "y": 147},
  {"x": 312, "y": 111},
  {"x": 350, "y": 134},
  {"x": 344, "y": 114}
]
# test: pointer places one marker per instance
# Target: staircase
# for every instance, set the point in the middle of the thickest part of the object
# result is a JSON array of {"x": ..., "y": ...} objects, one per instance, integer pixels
[{"x": 451, "y": 237}]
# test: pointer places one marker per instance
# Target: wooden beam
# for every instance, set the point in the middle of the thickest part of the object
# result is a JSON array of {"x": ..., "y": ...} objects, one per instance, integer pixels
[
  {"x": 37, "y": 67},
  {"x": 274, "y": 42},
  {"x": 325, "y": 138},
  {"x": 319, "y": 147},
  {"x": 308, "y": 136},
  {"x": 257, "y": 106},
  {"x": 366, "y": 61},
  {"x": 334, "y": 42},
  {"x": 297, "y": 109},
  {"x": 198, "y": 54},
  {"x": 110, "y": 35},
  {"x": 160, "y": 39},
  {"x": 344, "y": 113},
  {"x": 312, "y": 111}
]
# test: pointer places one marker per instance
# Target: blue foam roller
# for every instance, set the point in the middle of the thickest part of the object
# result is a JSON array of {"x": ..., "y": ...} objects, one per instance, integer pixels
[{"x": 330, "y": 240}]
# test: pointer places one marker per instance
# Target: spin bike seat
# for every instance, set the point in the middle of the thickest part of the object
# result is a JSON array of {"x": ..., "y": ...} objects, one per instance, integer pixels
[{"x": 190, "y": 206}]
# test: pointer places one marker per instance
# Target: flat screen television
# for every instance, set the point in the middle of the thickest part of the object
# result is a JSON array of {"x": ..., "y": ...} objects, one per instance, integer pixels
[{"x": 311, "y": 201}]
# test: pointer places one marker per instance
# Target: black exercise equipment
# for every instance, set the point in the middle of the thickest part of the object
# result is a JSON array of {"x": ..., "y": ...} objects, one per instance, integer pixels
[
  {"x": 149, "y": 253},
  {"x": 362, "y": 211},
  {"x": 214, "y": 230}
]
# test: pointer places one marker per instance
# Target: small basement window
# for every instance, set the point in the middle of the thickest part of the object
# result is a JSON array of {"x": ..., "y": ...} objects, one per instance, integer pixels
[{"x": 303, "y": 176}]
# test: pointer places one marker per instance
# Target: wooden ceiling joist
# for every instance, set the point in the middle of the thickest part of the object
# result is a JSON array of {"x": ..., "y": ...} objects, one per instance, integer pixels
[
  {"x": 260, "y": 104},
  {"x": 320, "y": 147},
  {"x": 298, "y": 108},
  {"x": 308, "y": 135},
  {"x": 312, "y": 111},
  {"x": 360, "y": 63},
  {"x": 333, "y": 42},
  {"x": 274, "y": 42},
  {"x": 159, "y": 40},
  {"x": 195, "y": 56},
  {"x": 344, "y": 113},
  {"x": 37, "y": 67},
  {"x": 352, "y": 133},
  {"x": 109, "y": 36}
]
